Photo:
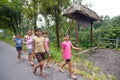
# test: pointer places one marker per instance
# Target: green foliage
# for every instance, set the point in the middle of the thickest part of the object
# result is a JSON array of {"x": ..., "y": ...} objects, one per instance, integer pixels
[
  {"x": 54, "y": 8},
  {"x": 55, "y": 53},
  {"x": 10, "y": 15}
]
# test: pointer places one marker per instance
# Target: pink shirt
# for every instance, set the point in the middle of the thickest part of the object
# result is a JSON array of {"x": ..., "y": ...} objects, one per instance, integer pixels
[
  {"x": 66, "y": 46},
  {"x": 28, "y": 40},
  {"x": 46, "y": 44}
]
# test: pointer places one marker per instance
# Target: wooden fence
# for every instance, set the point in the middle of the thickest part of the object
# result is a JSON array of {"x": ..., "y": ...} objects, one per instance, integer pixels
[
  {"x": 103, "y": 42},
  {"x": 109, "y": 42}
]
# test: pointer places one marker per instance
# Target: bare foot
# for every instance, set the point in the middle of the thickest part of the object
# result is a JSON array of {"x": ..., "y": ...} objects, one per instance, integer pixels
[
  {"x": 43, "y": 75},
  {"x": 34, "y": 69},
  {"x": 21, "y": 60}
]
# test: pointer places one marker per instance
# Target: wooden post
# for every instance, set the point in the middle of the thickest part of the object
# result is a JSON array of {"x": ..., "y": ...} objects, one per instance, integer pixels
[
  {"x": 91, "y": 36},
  {"x": 76, "y": 36},
  {"x": 76, "y": 33},
  {"x": 98, "y": 43},
  {"x": 117, "y": 40}
]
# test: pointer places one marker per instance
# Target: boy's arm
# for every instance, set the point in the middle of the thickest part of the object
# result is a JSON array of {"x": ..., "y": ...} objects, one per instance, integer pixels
[
  {"x": 13, "y": 38},
  {"x": 24, "y": 40}
]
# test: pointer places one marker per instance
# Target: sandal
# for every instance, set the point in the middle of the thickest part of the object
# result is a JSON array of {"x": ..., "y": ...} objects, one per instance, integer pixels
[
  {"x": 48, "y": 66},
  {"x": 32, "y": 65},
  {"x": 73, "y": 77},
  {"x": 61, "y": 70}
]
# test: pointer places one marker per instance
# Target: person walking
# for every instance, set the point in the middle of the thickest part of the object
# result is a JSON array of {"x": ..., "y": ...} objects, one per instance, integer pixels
[
  {"x": 38, "y": 50},
  {"x": 19, "y": 42},
  {"x": 47, "y": 51},
  {"x": 66, "y": 46},
  {"x": 28, "y": 41}
]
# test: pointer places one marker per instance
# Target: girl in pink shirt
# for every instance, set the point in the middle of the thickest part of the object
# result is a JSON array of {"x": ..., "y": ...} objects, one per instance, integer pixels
[
  {"x": 47, "y": 47},
  {"x": 66, "y": 54},
  {"x": 28, "y": 41}
]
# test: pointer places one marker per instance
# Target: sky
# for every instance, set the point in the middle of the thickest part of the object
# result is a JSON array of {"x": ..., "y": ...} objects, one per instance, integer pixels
[{"x": 105, "y": 7}]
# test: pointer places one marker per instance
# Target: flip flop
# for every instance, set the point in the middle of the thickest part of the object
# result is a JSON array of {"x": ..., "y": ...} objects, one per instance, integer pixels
[
  {"x": 61, "y": 70},
  {"x": 73, "y": 77},
  {"x": 48, "y": 66}
]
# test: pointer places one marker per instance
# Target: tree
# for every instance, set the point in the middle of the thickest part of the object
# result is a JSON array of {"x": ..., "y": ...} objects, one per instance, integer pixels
[
  {"x": 54, "y": 8},
  {"x": 11, "y": 15},
  {"x": 116, "y": 21}
]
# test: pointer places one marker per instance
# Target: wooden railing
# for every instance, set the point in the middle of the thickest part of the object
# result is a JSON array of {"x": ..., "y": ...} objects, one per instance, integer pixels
[{"x": 109, "y": 42}]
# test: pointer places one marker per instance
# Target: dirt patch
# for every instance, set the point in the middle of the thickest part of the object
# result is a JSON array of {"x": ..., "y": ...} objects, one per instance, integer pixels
[{"x": 107, "y": 60}]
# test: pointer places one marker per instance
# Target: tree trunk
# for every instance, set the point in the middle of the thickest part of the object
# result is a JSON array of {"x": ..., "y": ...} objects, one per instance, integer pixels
[
  {"x": 57, "y": 22},
  {"x": 35, "y": 17},
  {"x": 57, "y": 26},
  {"x": 35, "y": 13}
]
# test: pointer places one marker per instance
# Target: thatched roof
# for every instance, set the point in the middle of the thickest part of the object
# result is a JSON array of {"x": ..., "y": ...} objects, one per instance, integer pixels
[{"x": 79, "y": 11}]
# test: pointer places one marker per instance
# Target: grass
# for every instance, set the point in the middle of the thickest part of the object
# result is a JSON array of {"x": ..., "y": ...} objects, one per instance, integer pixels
[
  {"x": 81, "y": 66},
  {"x": 55, "y": 54},
  {"x": 117, "y": 48}
]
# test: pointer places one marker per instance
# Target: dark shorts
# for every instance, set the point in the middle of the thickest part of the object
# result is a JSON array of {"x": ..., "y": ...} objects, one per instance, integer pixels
[
  {"x": 40, "y": 56},
  {"x": 48, "y": 51},
  {"x": 67, "y": 60},
  {"x": 19, "y": 48}
]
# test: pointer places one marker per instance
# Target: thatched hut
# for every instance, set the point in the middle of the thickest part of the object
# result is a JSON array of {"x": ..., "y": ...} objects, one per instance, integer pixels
[{"x": 79, "y": 12}]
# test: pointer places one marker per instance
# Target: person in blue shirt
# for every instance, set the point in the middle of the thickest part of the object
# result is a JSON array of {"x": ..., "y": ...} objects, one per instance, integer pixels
[{"x": 19, "y": 43}]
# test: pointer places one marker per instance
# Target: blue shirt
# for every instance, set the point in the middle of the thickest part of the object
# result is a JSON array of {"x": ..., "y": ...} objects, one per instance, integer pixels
[{"x": 18, "y": 42}]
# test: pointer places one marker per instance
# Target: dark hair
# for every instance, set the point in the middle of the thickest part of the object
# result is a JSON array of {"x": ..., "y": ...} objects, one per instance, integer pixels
[
  {"x": 17, "y": 34},
  {"x": 65, "y": 34},
  {"x": 44, "y": 32},
  {"x": 38, "y": 29}
]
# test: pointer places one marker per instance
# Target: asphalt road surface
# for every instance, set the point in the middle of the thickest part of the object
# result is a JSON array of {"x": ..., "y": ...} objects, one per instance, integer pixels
[{"x": 12, "y": 69}]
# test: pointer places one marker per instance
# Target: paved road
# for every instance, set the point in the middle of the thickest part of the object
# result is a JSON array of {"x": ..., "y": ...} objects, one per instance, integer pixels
[{"x": 12, "y": 69}]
